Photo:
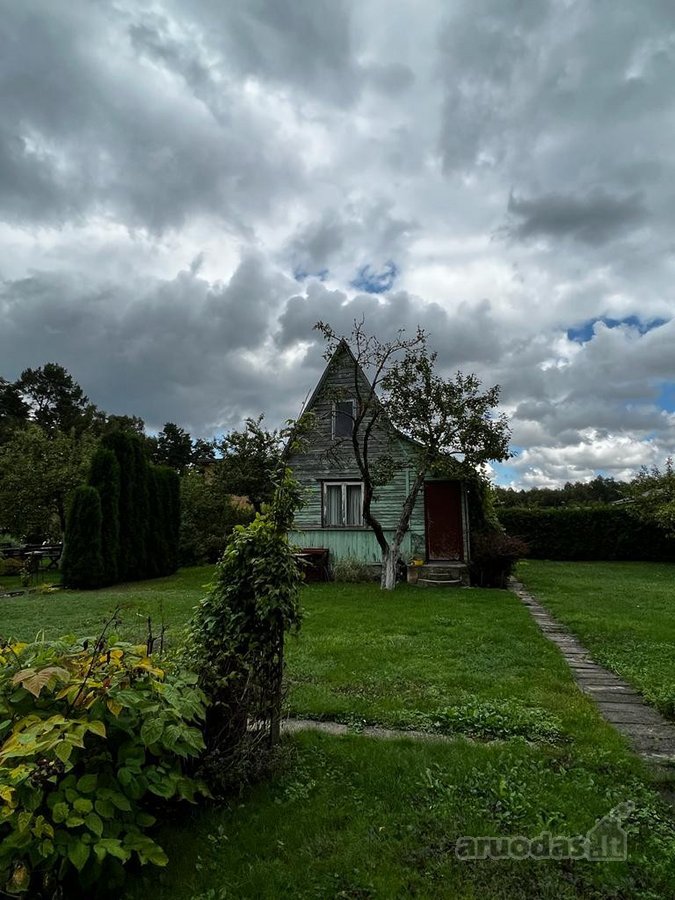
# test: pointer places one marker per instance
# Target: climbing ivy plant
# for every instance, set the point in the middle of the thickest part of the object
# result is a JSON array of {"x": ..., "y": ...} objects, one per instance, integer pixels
[{"x": 236, "y": 638}]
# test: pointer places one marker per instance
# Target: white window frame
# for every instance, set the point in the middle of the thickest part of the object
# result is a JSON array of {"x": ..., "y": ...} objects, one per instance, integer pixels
[
  {"x": 334, "y": 418},
  {"x": 324, "y": 494}
]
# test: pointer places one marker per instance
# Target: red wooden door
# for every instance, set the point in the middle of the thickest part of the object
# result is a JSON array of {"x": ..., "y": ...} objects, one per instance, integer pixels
[{"x": 443, "y": 519}]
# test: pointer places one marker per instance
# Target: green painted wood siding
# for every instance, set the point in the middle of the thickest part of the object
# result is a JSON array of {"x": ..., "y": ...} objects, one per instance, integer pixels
[{"x": 326, "y": 458}]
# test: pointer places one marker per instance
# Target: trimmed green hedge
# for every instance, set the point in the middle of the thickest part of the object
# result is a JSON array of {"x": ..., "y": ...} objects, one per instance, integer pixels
[
  {"x": 136, "y": 535},
  {"x": 588, "y": 532}
]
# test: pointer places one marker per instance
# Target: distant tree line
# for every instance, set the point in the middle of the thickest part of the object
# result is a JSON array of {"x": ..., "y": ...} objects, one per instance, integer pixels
[{"x": 577, "y": 493}]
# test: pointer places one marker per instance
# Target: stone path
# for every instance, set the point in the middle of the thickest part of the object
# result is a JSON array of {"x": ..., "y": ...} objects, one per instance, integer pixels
[
  {"x": 650, "y": 735},
  {"x": 290, "y": 726}
]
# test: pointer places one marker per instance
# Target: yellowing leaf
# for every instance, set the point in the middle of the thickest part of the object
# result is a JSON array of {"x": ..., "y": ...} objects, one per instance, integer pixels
[
  {"x": 34, "y": 682},
  {"x": 115, "y": 707},
  {"x": 20, "y": 879}
]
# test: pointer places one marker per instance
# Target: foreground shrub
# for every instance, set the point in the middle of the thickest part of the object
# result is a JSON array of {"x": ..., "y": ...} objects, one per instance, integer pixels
[
  {"x": 236, "y": 641},
  {"x": 493, "y": 557},
  {"x": 93, "y": 739}
]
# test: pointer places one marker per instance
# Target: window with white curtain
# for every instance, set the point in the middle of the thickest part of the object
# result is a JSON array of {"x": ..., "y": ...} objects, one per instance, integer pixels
[{"x": 342, "y": 503}]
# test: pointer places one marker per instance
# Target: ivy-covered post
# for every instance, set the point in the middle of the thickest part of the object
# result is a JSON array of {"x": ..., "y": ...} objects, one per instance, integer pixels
[{"x": 236, "y": 637}]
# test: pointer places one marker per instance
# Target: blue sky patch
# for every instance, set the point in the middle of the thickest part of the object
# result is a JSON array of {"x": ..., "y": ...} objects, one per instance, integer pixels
[
  {"x": 372, "y": 282},
  {"x": 666, "y": 398},
  {"x": 584, "y": 332},
  {"x": 301, "y": 274}
]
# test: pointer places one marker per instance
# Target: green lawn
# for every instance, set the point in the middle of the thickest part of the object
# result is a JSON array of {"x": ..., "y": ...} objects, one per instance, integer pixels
[
  {"x": 623, "y": 612},
  {"x": 355, "y": 817},
  {"x": 169, "y": 600},
  {"x": 404, "y": 659}
]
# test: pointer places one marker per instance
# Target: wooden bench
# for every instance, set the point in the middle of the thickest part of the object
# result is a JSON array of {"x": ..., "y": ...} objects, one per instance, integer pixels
[
  {"x": 50, "y": 552},
  {"x": 314, "y": 562}
]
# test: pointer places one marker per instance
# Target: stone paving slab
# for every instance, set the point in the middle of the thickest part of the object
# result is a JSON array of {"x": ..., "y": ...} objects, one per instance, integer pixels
[
  {"x": 291, "y": 726},
  {"x": 650, "y": 735}
]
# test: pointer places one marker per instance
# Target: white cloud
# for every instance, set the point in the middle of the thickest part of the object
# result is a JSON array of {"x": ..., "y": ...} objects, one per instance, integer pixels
[{"x": 513, "y": 160}]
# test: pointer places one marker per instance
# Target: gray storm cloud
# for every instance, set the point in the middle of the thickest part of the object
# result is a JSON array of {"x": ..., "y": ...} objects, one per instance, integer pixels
[{"x": 186, "y": 188}]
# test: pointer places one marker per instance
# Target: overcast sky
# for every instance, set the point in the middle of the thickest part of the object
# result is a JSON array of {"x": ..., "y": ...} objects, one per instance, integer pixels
[{"x": 187, "y": 186}]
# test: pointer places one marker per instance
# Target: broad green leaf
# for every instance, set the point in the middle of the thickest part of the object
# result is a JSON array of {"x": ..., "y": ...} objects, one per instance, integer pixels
[
  {"x": 97, "y": 727},
  {"x": 74, "y": 821},
  {"x": 104, "y": 808},
  {"x": 63, "y": 750},
  {"x": 78, "y": 854},
  {"x": 94, "y": 823},
  {"x": 151, "y": 731},
  {"x": 120, "y": 801},
  {"x": 114, "y": 847},
  {"x": 83, "y": 805},
  {"x": 87, "y": 784},
  {"x": 60, "y": 812}
]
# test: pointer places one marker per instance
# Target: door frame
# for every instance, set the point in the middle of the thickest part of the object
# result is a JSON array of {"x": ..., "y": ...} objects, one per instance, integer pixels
[{"x": 464, "y": 520}]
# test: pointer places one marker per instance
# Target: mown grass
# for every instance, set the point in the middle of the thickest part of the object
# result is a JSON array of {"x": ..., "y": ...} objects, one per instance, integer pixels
[
  {"x": 623, "y": 612},
  {"x": 166, "y": 600},
  {"x": 404, "y": 659},
  {"x": 355, "y": 817}
]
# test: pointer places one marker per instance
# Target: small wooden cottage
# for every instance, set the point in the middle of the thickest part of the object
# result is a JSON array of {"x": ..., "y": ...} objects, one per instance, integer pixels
[{"x": 332, "y": 518}]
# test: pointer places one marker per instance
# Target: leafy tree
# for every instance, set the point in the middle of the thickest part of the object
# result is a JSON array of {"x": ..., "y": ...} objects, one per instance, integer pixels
[
  {"x": 250, "y": 462},
  {"x": 82, "y": 565},
  {"x": 203, "y": 453},
  {"x": 173, "y": 448},
  {"x": 55, "y": 400},
  {"x": 577, "y": 493},
  {"x": 653, "y": 491},
  {"x": 13, "y": 410},
  {"x": 208, "y": 515},
  {"x": 38, "y": 474},
  {"x": 449, "y": 422},
  {"x": 134, "y": 424}
]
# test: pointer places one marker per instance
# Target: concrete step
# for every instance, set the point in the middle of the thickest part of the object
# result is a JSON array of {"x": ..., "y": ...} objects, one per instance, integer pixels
[{"x": 439, "y": 574}]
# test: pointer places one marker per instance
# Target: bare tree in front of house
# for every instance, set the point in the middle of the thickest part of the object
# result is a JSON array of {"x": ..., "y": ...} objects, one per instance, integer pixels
[{"x": 442, "y": 421}]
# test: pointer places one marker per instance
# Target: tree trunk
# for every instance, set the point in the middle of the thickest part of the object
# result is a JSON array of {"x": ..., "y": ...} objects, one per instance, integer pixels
[{"x": 389, "y": 561}]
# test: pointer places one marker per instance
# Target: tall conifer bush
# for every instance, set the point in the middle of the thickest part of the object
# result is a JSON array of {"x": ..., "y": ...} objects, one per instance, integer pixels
[
  {"x": 141, "y": 509},
  {"x": 105, "y": 477},
  {"x": 139, "y": 521},
  {"x": 82, "y": 560},
  {"x": 120, "y": 444}
]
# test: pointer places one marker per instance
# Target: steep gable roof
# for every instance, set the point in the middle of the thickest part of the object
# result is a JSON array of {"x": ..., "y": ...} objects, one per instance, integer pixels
[{"x": 341, "y": 350}]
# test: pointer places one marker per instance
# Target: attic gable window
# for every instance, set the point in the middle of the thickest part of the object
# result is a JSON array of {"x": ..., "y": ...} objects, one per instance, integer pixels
[
  {"x": 344, "y": 412},
  {"x": 342, "y": 503}
]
